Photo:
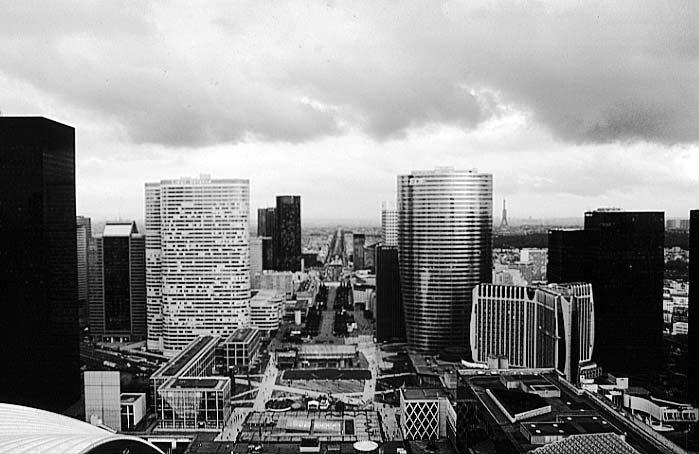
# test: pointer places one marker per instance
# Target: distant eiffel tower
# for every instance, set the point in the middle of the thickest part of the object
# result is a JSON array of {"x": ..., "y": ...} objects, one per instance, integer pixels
[{"x": 503, "y": 223}]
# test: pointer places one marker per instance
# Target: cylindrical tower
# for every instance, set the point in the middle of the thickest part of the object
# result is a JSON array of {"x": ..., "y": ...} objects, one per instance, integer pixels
[{"x": 444, "y": 236}]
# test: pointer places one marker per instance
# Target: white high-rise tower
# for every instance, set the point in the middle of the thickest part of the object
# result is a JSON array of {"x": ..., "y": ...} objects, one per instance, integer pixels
[
  {"x": 445, "y": 221},
  {"x": 389, "y": 224},
  {"x": 197, "y": 259}
]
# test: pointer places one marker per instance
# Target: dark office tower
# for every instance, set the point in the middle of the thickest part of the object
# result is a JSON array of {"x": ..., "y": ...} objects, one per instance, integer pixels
[
  {"x": 39, "y": 334},
  {"x": 265, "y": 230},
  {"x": 118, "y": 284},
  {"x": 84, "y": 234},
  {"x": 358, "y": 241},
  {"x": 286, "y": 241},
  {"x": 569, "y": 258},
  {"x": 265, "y": 222},
  {"x": 693, "y": 353},
  {"x": 370, "y": 256},
  {"x": 390, "y": 322},
  {"x": 267, "y": 254},
  {"x": 621, "y": 254}
]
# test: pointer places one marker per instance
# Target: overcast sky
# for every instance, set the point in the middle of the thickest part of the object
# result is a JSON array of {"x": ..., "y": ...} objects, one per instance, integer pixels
[{"x": 570, "y": 106}]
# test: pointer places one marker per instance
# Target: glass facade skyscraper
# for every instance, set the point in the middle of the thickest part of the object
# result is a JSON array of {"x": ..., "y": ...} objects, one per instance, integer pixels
[
  {"x": 83, "y": 236},
  {"x": 286, "y": 241},
  {"x": 444, "y": 238},
  {"x": 39, "y": 332},
  {"x": 390, "y": 321},
  {"x": 265, "y": 222},
  {"x": 118, "y": 284},
  {"x": 621, "y": 254}
]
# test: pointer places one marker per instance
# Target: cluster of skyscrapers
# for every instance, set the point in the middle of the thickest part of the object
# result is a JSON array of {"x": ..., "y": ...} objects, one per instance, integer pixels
[
  {"x": 188, "y": 274},
  {"x": 279, "y": 232},
  {"x": 603, "y": 303}
]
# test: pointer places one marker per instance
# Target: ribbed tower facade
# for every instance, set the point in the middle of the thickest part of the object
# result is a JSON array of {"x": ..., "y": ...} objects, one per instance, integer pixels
[
  {"x": 198, "y": 259},
  {"x": 548, "y": 326},
  {"x": 445, "y": 219}
]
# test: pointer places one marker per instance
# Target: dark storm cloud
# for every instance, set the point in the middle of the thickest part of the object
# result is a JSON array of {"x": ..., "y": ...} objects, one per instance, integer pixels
[{"x": 192, "y": 75}]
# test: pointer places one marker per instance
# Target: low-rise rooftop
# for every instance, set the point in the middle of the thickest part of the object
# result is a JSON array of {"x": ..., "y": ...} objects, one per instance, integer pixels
[
  {"x": 128, "y": 398},
  {"x": 423, "y": 393},
  {"x": 198, "y": 383},
  {"x": 176, "y": 365},
  {"x": 241, "y": 335}
]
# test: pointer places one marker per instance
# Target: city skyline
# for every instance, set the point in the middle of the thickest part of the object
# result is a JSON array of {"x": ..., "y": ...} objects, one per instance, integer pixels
[
  {"x": 367, "y": 226},
  {"x": 598, "y": 108}
]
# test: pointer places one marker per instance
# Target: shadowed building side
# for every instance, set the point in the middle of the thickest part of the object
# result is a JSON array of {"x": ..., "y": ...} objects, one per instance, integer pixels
[
  {"x": 693, "y": 353},
  {"x": 390, "y": 321},
  {"x": 39, "y": 332},
  {"x": 621, "y": 254}
]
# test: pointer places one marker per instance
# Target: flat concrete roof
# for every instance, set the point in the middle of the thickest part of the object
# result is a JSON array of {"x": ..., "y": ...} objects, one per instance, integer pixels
[
  {"x": 423, "y": 394},
  {"x": 241, "y": 335},
  {"x": 175, "y": 365},
  {"x": 198, "y": 383}
]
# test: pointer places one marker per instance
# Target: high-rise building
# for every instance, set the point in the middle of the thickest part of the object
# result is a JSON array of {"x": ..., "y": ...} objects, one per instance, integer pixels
[
  {"x": 538, "y": 259},
  {"x": 534, "y": 327},
  {"x": 286, "y": 242},
  {"x": 389, "y": 224},
  {"x": 445, "y": 220},
  {"x": 693, "y": 322},
  {"x": 266, "y": 225},
  {"x": 154, "y": 278},
  {"x": 84, "y": 235},
  {"x": 265, "y": 222},
  {"x": 256, "y": 255},
  {"x": 621, "y": 254},
  {"x": 197, "y": 259},
  {"x": 39, "y": 332},
  {"x": 267, "y": 253},
  {"x": 568, "y": 256},
  {"x": 358, "y": 242},
  {"x": 117, "y": 305},
  {"x": 390, "y": 320}
]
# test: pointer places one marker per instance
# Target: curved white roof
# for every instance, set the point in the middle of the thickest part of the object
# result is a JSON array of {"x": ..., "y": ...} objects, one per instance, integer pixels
[
  {"x": 365, "y": 446},
  {"x": 25, "y": 430}
]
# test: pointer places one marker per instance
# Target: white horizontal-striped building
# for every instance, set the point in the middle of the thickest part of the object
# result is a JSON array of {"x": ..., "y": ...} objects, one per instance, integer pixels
[
  {"x": 266, "y": 310},
  {"x": 197, "y": 260},
  {"x": 534, "y": 327}
]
